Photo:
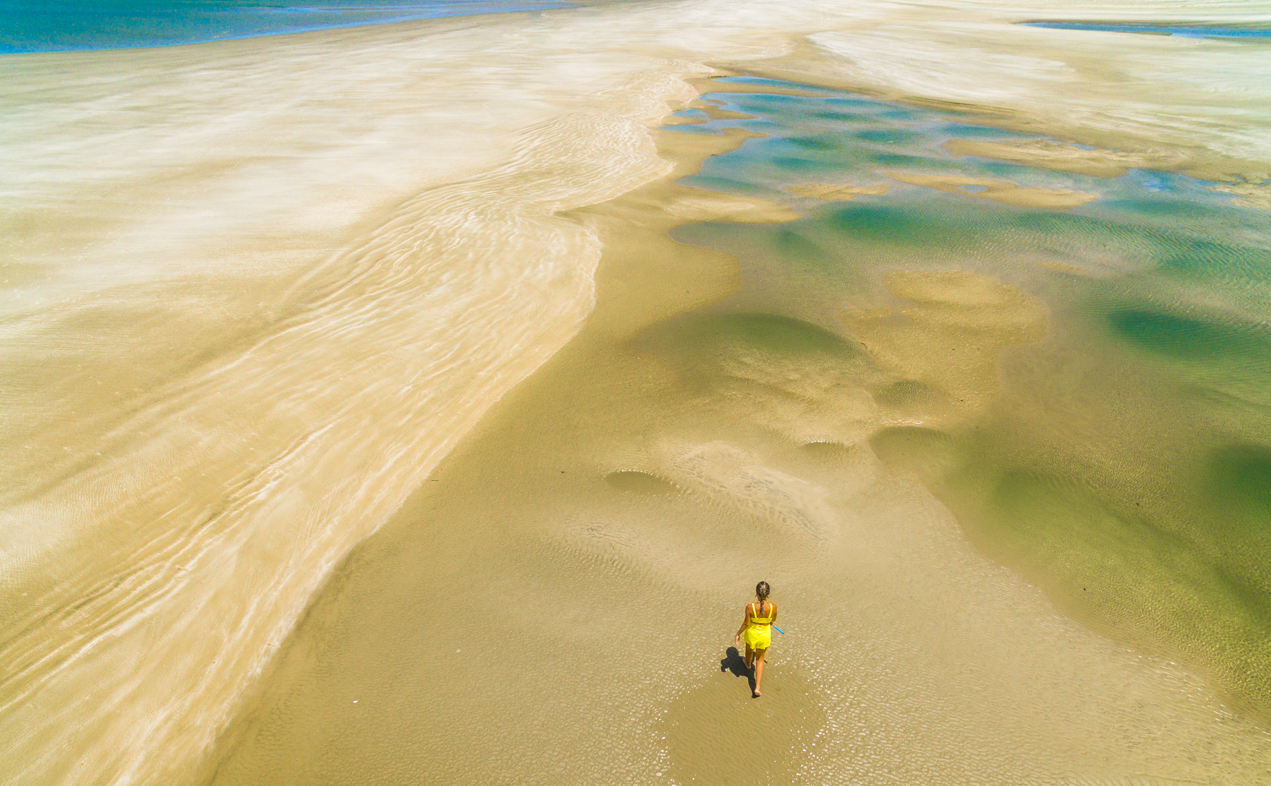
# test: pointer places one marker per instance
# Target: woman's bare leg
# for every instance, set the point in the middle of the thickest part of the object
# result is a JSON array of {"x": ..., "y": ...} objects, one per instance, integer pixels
[
  {"x": 759, "y": 656},
  {"x": 750, "y": 657}
]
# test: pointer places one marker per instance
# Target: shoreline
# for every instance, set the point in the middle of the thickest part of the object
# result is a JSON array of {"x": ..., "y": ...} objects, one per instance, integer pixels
[
  {"x": 485, "y": 8},
  {"x": 1113, "y": 149},
  {"x": 261, "y": 459},
  {"x": 624, "y": 305},
  {"x": 307, "y": 405},
  {"x": 557, "y": 417}
]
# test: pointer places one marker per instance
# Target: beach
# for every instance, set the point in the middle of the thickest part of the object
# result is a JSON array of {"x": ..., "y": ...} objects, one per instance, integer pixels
[{"x": 418, "y": 402}]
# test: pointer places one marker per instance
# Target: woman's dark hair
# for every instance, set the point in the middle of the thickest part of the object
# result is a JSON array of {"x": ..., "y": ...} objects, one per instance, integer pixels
[{"x": 762, "y": 589}]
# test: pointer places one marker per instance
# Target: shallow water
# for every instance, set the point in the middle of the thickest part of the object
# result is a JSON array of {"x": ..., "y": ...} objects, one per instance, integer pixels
[
  {"x": 1189, "y": 31},
  {"x": 563, "y": 589},
  {"x": 1122, "y": 461},
  {"x": 255, "y": 291},
  {"x": 124, "y": 24}
]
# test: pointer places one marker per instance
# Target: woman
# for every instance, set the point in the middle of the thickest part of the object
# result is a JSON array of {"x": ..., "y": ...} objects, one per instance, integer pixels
[{"x": 757, "y": 627}]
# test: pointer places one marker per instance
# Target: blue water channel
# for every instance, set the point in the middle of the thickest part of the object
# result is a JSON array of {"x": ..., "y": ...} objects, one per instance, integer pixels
[{"x": 1184, "y": 30}]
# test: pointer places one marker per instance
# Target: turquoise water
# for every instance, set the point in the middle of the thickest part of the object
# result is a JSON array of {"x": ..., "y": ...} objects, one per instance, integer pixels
[
  {"x": 28, "y": 26},
  {"x": 1124, "y": 462},
  {"x": 1186, "y": 31}
]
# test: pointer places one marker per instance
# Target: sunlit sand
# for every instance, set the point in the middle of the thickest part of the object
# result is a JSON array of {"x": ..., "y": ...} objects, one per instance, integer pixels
[
  {"x": 379, "y": 408},
  {"x": 1053, "y": 155},
  {"x": 653, "y": 463},
  {"x": 1003, "y": 191},
  {"x": 834, "y": 193}
]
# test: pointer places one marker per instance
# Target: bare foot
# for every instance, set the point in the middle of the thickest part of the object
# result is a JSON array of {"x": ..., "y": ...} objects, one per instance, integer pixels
[
  {"x": 747, "y": 665},
  {"x": 757, "y": 693}
]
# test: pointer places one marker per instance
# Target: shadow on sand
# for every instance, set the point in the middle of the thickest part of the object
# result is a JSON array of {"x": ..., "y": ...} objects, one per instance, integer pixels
[{"x": 735, "y": 664}]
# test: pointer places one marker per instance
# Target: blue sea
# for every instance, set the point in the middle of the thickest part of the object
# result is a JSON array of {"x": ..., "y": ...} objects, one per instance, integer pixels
[
  {"x": 27, "y": 26},
  {"x": 1184, "y": 30}
]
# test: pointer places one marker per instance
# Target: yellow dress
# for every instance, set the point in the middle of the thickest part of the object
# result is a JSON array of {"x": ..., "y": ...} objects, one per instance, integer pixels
[{"x": 758, "y": 634}]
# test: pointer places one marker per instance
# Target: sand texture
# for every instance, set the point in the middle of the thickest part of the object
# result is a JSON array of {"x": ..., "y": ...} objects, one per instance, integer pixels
[
  {"x": 1052, "y": 155},
  {"x": 557, "y": 600},
  {"x": 834, "y": 193},
  {"x": 1003, "y": 191},
  {"x": 1255, "y": 195},
  {"x": 380, "y": 407}
]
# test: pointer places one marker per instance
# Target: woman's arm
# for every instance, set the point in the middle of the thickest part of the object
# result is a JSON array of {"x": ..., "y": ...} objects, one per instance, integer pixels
[{"x": 744, "y": 622}]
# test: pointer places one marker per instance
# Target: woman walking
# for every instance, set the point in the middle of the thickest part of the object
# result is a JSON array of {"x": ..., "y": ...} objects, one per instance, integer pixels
[{"x": 757, "y": 628}]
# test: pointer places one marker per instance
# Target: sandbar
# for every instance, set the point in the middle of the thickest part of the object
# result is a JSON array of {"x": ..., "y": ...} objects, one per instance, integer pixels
[{"x": 1003, "y": 191}]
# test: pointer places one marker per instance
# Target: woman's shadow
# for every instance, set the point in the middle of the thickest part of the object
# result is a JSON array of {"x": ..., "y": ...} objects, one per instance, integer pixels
[{"x": 735, "y": 664}]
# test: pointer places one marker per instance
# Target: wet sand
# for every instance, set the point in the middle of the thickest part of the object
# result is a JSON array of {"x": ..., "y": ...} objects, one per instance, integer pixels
[
  {"x": 836, "y": 193},
  {"x": 253, "y": 328},
  {"x": 1052, "y": 155},
  {"x": 273, "y": 299},
  {"x": 1003, "y": 191},
  {"x": 557, "y": 602}
]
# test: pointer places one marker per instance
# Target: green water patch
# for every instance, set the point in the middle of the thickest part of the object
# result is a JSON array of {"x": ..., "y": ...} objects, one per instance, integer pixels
[
  {"x": 1152, "y": 207},
  {"x": 759, "y": 355},
  {"x": 891, "y": 136},
  {"x": 929, "y": 451},
  {"x": 897, "y": 160},
  {"x": 1238, "y": 490},
  {"x": 897, "y": 225},
  {"x": 1175, "y": 574},
  {"x": 1202, "y": 258},
  {"x": 796, "y": 245},
  {"x": 1125, "y": 465},
  {"x": 797, "y": 165},
  {"x": 1105, "y": 228},
  {"x": 807, "y": 137},
  {"x": 1241, "y": 475},
  {"x": 978, "y": 133},
  {"x": 636, "y": 482},
  {"x": 835, "y": 116},
  {"x": 1193, "y": 338},
  {"x": 924, "y": 217},
  {"x": 1198, "y": 244},
  {"x": 818, "y": 143},
  {"x": 1192, "y": 583},
  {"x": 904, "y": 114},
  {"x": 733, "y": 186},
  {"x": 795, "y": 268},
  {"x": 716, "y": 335}
]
